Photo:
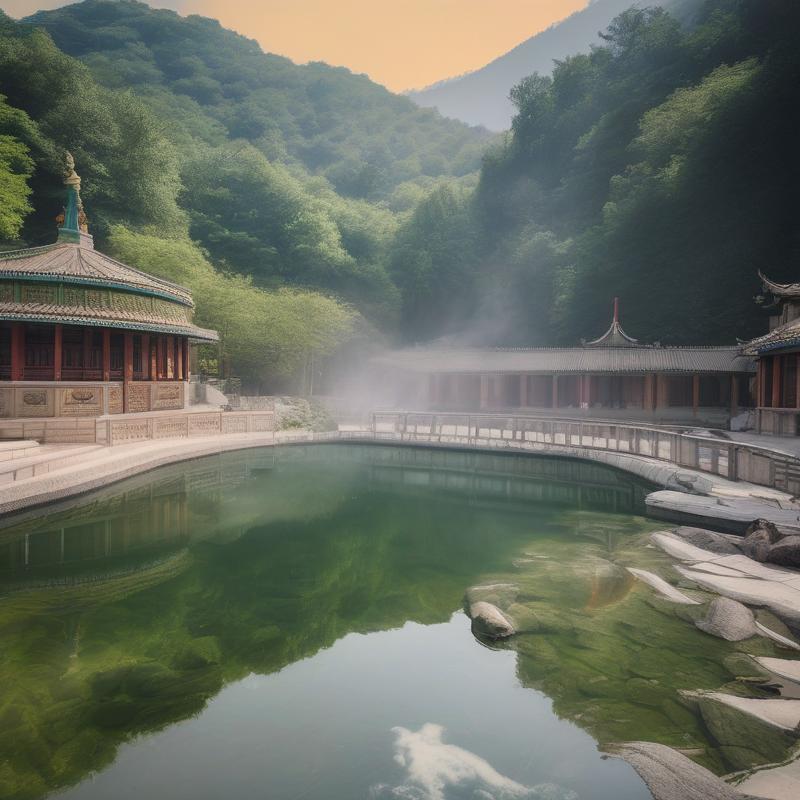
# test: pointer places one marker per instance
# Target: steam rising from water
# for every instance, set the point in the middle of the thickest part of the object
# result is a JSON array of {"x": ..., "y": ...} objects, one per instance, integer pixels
[{"x": 439, "y": 771}]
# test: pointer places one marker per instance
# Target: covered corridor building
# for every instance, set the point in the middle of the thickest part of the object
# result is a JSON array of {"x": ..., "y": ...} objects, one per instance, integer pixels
[{"x": 613, "y": 376}]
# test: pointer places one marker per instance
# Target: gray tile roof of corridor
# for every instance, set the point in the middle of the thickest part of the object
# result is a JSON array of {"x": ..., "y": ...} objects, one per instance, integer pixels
[{"x": 548, "y": 360}]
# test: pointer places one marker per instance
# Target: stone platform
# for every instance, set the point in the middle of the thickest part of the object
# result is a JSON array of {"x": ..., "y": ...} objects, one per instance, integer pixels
[{"x": 115, "y": 429}]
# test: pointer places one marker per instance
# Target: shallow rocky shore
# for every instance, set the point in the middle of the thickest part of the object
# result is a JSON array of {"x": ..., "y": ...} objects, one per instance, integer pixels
[{"x": 743, "y": 591}]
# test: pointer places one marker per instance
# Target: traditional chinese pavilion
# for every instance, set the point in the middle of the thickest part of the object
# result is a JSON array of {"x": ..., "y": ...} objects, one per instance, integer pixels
[
  {"x": 613, "y": 376},
  {"x": 83, "y": 335},
  {"x": 778, "y": 353}
]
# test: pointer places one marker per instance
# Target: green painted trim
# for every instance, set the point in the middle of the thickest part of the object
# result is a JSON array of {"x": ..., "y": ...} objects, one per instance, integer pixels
[
  {"x": 24, "y": 277},
  {"x": 191, "y": 332}
]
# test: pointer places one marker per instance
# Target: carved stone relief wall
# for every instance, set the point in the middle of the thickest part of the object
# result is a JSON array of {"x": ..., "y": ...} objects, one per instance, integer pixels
[{"x": 83, "y": 401}]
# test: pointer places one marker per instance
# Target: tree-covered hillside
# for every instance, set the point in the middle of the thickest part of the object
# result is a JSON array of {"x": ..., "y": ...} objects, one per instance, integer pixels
[
  {"x": 215, "y": 85},
  {"x": 290, "y": 178},
  {"x": 661, "y": 167}
]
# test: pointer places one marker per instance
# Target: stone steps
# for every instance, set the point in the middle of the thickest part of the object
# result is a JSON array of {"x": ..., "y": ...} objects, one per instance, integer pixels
[
  {"x": 42, "y": 459},
  {"x": 21, "y": 448}
]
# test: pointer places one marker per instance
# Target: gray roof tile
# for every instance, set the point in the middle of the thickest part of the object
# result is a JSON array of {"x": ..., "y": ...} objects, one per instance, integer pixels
[
  {"x": 550, "y": 360},
  {"x": 79, "y": 264}
]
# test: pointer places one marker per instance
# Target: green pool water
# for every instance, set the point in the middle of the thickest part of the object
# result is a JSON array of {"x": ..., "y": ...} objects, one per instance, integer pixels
[{"x": 288, "y": 623}]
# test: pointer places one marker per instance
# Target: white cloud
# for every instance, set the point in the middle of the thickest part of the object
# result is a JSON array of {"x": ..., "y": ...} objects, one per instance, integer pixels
[{"x": 434, "y": 770}]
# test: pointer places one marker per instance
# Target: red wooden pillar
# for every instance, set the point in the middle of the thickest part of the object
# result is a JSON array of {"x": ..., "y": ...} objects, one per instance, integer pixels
[
  {"x": 586, "y": 393},
  {"x": 555, "y": 391},
  {"x": 777, "y": 364},
  {"x": 146, "y": 355},
  {"x": 170, "y": 358},
  {"x": 160, "y": 375},
  {"x": 179, "y": 358},
  {"x": 761, "y": 381},
  {"x": 152, "y": 356},
  {"x": 484, "y": 402},
  {"x": 662, "y": 391},
  {"x": 58, "y": 349},
  {"x": 127, "y": 360},
  {"x": 187, "y": 364},
  {"x": 797, "y": 383},
  {"x": 647, "y": 393},
  {"x": 87, "y": 351},
  {"x": 106, "y": 354},
  {"x": 695, "y": 394},
  {"x": 523, "y": 391},
  {"x": 17, "y": 351},
  {"x": 734, "y": 395}
]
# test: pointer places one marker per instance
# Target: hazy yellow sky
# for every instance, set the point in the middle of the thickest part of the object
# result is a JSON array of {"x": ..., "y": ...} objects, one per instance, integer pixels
[{"x": 401, "y": 43}]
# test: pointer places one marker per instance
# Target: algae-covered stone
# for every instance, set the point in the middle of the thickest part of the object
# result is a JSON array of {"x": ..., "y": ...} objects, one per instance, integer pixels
[
  {"x": 742, "y": 667},
  {"x": 747, "y": 739},
  {"x": 729, "y": 620},
  {"x": 488, "y": 620},
  {"x": 665, "y": 589},
  {"x": 198, "y": 653}
]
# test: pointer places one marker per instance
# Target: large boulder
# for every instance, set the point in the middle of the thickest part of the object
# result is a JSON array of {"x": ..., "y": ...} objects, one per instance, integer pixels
[
  {"x": 708, "y": 540},
  {"x": 759, "y": 538},
  {"x": 748, "y": 731},
  {"x": 670, "y": 775},
  {"x": 488, "y": 620},
  {"x": 729, "y": 620},
  {"x": 785, "y": 552}
]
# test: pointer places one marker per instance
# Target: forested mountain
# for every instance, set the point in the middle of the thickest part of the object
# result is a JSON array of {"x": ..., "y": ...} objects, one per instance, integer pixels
[
  {"x": 291, "y": 173},
  {"x": 661, "y": 167},
  {"x": 482, "y": 97},
  {"x": 186, "y": 133}
]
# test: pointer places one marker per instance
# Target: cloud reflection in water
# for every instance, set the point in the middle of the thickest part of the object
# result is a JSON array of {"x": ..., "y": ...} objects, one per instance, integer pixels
[{"x": 439, "y": 771}]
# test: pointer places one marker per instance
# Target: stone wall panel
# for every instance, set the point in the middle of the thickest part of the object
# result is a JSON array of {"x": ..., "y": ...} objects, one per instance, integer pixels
[
  {"x": 204, "y": 424},
  {"x": 34, "y": 402},
  {"x": 80, "y": 401},
  {"x": 167, "y": 396}
]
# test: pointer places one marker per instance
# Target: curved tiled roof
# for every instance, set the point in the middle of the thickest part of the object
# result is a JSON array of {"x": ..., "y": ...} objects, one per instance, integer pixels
[
  {"x": 75, "y": 263},
  {"x": 104, "y": 317},
  {"x": 779, "y": 289},
  {"x": 784, "y": 336},
  {"x": 614, "y": 337},
  {"x": 549, "y": 360}
]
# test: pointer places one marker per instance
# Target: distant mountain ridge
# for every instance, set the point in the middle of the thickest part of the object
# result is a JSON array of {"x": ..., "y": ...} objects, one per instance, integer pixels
[{"x": 481, "y": 97}]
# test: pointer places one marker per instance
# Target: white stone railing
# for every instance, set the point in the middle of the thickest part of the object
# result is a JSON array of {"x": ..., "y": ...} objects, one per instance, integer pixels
[{"x": 723, "y": 457}]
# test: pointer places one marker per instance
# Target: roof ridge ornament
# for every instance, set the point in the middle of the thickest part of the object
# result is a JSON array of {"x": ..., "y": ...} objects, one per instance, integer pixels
[
  {"x": 615, "y": 336},
  {"x": 73, "y": 224}
]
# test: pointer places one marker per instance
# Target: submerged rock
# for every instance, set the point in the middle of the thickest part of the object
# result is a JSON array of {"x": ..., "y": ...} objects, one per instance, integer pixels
[
  {"x": 678, "y": 548},
  {"x": 665, "y": 589},
  {"x": 748, "y": 731},
  {"x": 670, "y": 775},
  {"x": 778, "y": 638},
  {"x": 786, "y": 668},
  {"x": 489, "y": 620},
  {"x": 773, "y": 593},
  {"x": 729, "y": 620},
  {"x": 781, "y": 713},
  {"x": 719, "y": 543}
]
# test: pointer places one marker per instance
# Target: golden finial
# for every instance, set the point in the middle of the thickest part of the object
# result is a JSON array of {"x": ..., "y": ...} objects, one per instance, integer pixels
[{"x": 71, "y": 178}]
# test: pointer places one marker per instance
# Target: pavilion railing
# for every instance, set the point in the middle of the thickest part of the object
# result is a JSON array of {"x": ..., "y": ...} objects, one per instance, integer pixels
[{"x": 723, "y": 457}]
